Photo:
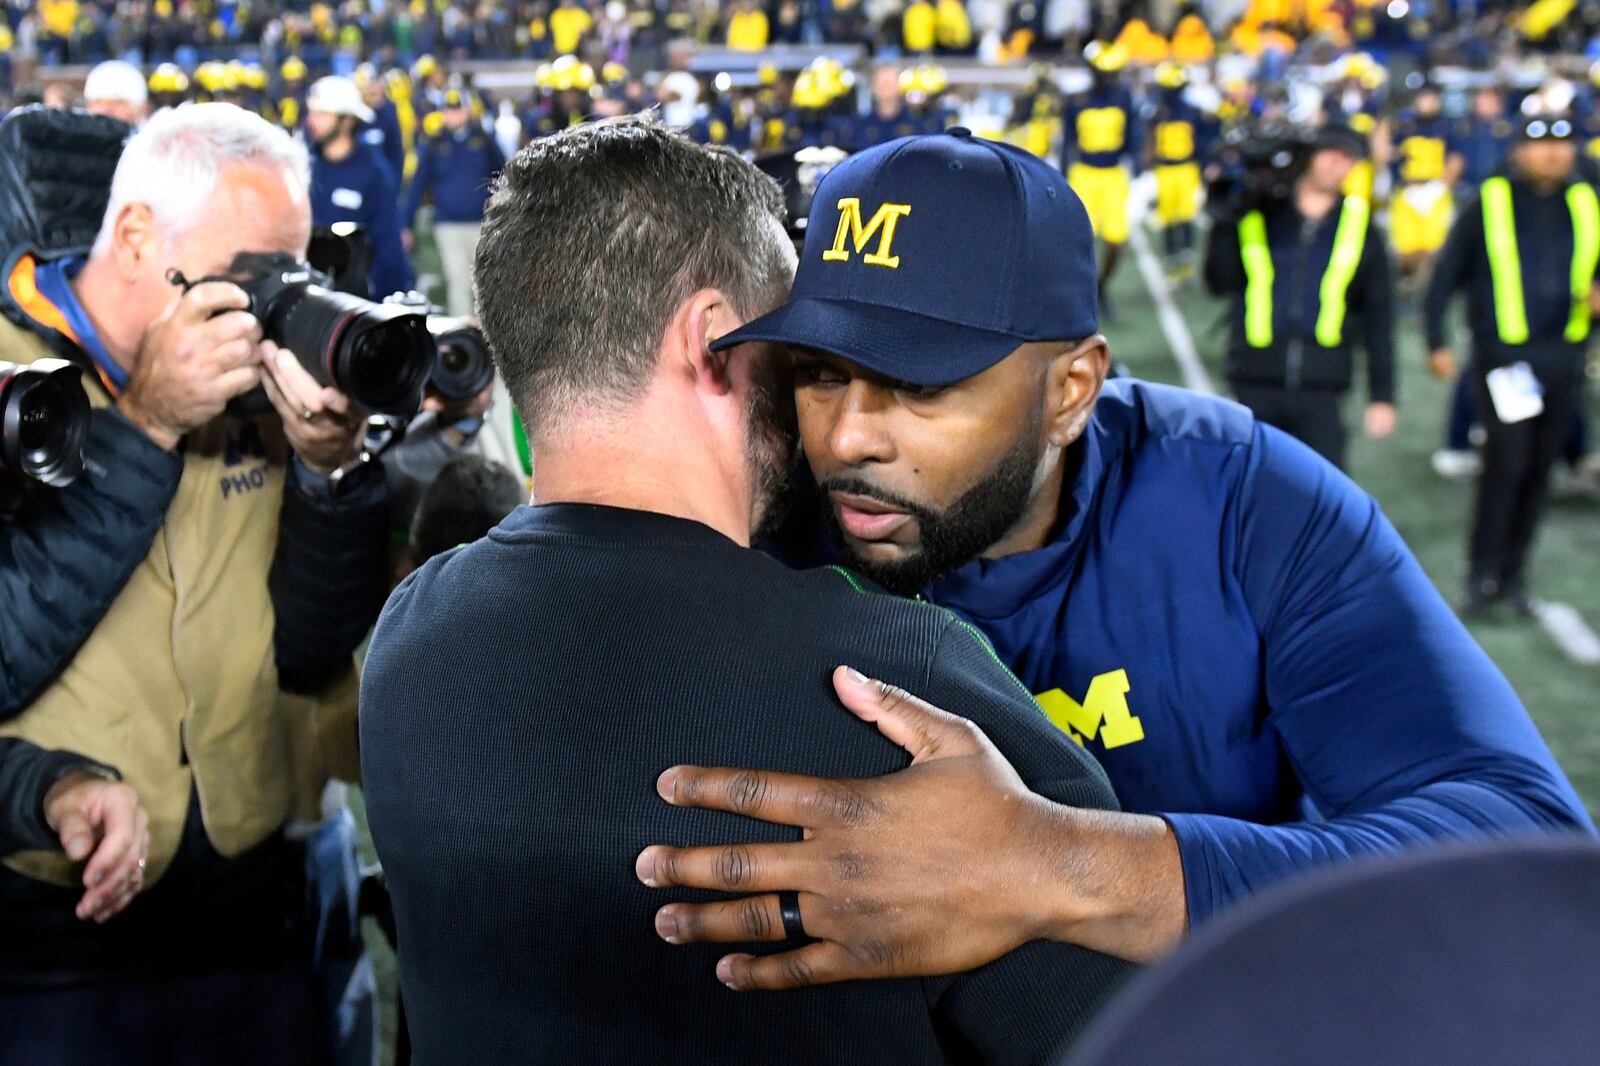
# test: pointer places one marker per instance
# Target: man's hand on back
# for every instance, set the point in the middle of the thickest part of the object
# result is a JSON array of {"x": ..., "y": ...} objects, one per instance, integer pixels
[{"x": 936, "y": 869}]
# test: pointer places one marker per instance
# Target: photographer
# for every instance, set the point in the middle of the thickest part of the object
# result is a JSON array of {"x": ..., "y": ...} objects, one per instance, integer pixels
[
  {"x": 1310, "y": 274},
  {"x": 187, "y": 610}
]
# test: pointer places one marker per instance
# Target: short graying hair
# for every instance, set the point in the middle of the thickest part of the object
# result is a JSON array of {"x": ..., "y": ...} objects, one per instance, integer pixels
[
  {"x": 594, "y": 237},
  {"x": 174, "y": 163}
]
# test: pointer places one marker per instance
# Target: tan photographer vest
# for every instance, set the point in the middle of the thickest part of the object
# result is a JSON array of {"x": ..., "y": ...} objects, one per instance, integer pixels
[{"x": 176, "y": 686}]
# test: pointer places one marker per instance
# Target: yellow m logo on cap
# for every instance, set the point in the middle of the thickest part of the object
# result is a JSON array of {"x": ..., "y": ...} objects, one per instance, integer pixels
[{"x": 886, "y": 218}]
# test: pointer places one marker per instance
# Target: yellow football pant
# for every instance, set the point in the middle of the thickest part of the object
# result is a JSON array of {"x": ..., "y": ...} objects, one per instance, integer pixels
[{"x": 1104, "y": 192}]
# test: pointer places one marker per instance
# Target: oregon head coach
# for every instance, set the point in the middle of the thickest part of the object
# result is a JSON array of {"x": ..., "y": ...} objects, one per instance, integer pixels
[
  {"x": 523, "y": 693},
  {"x": 1225, "y": 619}
]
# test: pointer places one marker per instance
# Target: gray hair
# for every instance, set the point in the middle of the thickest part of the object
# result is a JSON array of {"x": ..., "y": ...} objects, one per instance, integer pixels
[
  {"x": 594, "y": 237},
  {"x": 173, "y": 164}
]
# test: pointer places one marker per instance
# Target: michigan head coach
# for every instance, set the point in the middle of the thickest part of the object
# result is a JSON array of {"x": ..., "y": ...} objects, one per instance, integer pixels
[
  {"x": 523, "y": 693},
  {"x": 1222, "y": 617}
]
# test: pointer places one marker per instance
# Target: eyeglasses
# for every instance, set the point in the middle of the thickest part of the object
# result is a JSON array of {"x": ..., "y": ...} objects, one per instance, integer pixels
[{"x": 1540, "y": 130}]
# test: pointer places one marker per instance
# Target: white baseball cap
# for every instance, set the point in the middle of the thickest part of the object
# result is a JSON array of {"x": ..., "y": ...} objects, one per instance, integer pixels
[
  {"x": 116, "y": 80},
  {"x": 338, "y": 96}
]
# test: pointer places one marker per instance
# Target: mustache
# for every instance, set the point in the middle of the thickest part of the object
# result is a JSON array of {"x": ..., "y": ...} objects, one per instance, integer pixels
[{"x": 856, "y": 486}]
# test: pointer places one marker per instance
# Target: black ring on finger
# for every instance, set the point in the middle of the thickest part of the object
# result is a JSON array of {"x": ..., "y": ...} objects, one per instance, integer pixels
[{"x": 789, "y": 907}]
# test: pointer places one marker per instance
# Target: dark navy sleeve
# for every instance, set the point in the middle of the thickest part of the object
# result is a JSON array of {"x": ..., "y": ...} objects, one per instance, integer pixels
[
  {"x": 1377, "y": 316},
  {"x": 394, "y": 148},
  {"x": 1398, "y": 726},
  {"x": 391, "y": 270},
  {"x": 1223, "y": 270},
  {"x": 1397, "y": 137},
  {"x": 421, "y": 185},
  {"x": 1450, "y": 270},
  {"x": 1069, "y": 134},
  {"x": 27, "y": 773},
  {"x": 1133, "y": 139},
  {"x": 329, "y": 575}
]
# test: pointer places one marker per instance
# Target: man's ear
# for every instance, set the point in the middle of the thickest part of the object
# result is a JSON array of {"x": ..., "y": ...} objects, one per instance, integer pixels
[
  {"x": 1072, "y": 385},
  {"x": 703, "y": 318},
  {"x": 133, "y": 240}
]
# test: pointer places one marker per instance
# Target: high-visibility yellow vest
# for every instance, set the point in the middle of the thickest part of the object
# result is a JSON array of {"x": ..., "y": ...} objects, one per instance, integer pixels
[
  {"x": 1505, "y": 263},
  {"x": 1348, "y": 242}
]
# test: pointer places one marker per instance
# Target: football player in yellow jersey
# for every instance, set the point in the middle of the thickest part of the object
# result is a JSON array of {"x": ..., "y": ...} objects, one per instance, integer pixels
[
  {"x": 1425, "y": 169},
  {"x": 568, "y": 25},
  {"x": 1100, "y": 130},
  {"x": 1178, "y": 131}
]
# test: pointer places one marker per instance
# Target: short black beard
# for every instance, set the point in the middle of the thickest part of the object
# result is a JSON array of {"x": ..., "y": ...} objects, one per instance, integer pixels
[
  {"x": 772, "y": 448},
  {"x": 321, "y": 143},
  {"x": 967, "y": 528}
]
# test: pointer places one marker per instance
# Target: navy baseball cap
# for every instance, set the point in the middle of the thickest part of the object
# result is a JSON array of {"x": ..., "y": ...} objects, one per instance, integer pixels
[{"x": 929, "y": 259}]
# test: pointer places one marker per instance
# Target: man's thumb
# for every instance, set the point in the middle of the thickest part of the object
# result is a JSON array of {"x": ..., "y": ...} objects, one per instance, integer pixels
[
  {"x": 920, "y": 728},
  {"x": 77, "y": 837}
]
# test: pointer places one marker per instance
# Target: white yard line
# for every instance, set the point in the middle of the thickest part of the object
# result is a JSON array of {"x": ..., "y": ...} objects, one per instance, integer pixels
[
  {"x": 1179, "y": 339},
  {"x": 1570, "y": 632}
]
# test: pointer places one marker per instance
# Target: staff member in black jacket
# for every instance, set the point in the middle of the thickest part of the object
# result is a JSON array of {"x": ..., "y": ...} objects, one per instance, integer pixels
[
  {"x": 1310, "y": 276},
  {"x": 186, "y": 610},
  {"x": 1525, "y": 253}
]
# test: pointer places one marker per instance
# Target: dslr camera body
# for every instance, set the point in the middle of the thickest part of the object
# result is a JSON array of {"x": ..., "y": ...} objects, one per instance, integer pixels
[{"x": 380, "y": 355}]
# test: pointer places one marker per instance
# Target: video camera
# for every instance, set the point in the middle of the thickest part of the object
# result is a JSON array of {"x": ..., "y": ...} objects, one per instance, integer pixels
[
  {"x": 462, "y": 365},
  {"x": 44, "y": 420},
  {"x": 379, "y": 355},
  {"x": 1254, "y": 167}
]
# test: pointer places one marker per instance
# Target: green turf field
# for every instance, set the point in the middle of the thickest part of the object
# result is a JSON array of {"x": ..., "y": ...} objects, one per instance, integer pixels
[{"x": 1431, "y": 513}]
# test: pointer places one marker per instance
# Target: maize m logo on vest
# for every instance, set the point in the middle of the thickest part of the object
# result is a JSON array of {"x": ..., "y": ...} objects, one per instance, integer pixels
[
  {"x": 1103, "y": 714},
  {"x": 882, "y": 224}
]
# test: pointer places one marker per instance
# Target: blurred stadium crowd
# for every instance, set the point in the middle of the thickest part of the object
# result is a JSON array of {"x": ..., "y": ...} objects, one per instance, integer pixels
[{"x": 1135, "y": 100}]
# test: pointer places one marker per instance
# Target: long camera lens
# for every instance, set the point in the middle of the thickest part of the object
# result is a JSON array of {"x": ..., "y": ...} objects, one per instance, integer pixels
[
  {"x": 44, "y": 420},
  {"x": 379, "y": 355}
]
